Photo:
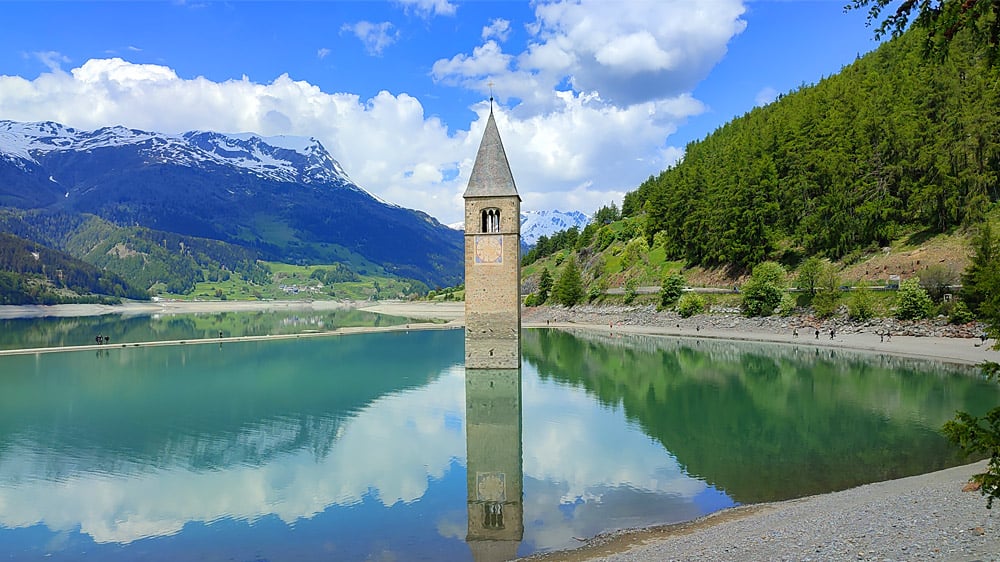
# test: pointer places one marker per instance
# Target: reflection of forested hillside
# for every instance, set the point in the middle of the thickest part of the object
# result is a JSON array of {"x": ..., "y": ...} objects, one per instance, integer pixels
[
  {"x": 769, "y": 422},
  {"x": 204, "y": 406}
]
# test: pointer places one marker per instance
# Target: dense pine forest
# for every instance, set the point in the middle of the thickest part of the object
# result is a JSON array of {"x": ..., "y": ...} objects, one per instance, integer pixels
[
  {"x": 33, "y": 274},
  {"x": 898, "y": 143}
]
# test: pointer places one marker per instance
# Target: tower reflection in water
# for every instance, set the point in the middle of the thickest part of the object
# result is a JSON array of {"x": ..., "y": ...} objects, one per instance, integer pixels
[{"x": 493, "y": 448}]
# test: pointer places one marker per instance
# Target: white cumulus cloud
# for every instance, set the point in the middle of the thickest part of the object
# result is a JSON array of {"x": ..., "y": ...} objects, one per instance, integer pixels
[
  {"x": 628, "y": 52},
  {"x": 581, "y": 153},
  {"x": 498, "y": 28}
]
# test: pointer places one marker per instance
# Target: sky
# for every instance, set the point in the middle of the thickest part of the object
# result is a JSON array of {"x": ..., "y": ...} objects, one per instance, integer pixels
[{"x": 591, "y": 97}]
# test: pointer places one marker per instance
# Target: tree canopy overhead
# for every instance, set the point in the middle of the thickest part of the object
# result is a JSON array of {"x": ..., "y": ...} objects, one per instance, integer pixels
[{"x": 941, "y": 19}]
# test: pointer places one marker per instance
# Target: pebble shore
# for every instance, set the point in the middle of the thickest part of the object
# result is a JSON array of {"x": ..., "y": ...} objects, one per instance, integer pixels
[
  {"x": 925, "y": 517},
  {"x": 733, "y": 321}
]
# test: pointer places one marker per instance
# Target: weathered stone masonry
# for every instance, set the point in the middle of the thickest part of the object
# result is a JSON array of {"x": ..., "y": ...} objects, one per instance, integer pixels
[{"x": 492, "y": 260}]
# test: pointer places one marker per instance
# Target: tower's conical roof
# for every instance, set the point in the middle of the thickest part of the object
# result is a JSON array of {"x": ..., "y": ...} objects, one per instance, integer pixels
[{"x": 491, "y": 175}]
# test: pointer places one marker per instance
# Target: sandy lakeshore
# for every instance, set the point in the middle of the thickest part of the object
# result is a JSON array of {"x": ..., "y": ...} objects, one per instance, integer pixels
[{"x": 925, "y": 517}]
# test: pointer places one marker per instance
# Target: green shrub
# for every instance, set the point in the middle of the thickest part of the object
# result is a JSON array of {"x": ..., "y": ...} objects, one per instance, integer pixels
[
  {"x": 594, "y": 293},
  {"x": 690, "y": 304},
  {"x": 671, "y": 290},
  {"x": 631, "y": 287},
  {"x": 634, "y": 252},
  {"x": 762, "y": 293},
  {"x": 787, "y": 304},
  {"x": 605, "y": 236},
  {"x": 809, "y": 273},
  {"x": 912, "y": 301},
  {"x": 960, "y": 313},
  {"x": 861, "y": 305}
]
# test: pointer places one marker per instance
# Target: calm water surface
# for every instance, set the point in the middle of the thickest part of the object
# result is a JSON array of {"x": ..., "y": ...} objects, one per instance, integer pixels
[{"x": 356, "y": 448}]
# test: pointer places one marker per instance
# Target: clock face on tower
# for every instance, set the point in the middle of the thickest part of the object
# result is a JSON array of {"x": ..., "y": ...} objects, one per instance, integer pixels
[{"x": 489, "y": 250}]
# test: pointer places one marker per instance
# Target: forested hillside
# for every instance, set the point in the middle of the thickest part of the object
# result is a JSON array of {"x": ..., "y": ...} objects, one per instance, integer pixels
[
  {"x": 34, "y": 274},
  {"x": 144, "y": 257},
  {"x": 897, "y": 143}
]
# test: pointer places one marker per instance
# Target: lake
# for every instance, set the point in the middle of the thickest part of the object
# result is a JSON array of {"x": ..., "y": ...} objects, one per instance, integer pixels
[{"x": 373, "y": 446}]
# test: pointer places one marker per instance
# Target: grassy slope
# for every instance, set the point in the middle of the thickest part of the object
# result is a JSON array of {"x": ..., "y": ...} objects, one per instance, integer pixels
[
  {"x": 907, "y": 257},
  {"x": 236, "y": 288}
]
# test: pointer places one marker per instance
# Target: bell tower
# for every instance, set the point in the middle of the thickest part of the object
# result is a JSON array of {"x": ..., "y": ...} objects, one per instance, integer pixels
[{"x": 492, "y": 259}]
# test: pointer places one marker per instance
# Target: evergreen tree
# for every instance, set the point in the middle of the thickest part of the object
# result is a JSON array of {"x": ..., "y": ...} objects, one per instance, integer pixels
[
  {"x": 982, "y": 277},
  {"x": 544, "y": 286},
  {"x": 895, "y": 142},
  {"x": 942, "y": 20},
  {"x": 568, "y": 290}
]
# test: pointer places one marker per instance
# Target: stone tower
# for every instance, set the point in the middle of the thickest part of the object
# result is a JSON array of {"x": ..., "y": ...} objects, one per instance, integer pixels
[{"x": 492, "y": 259}]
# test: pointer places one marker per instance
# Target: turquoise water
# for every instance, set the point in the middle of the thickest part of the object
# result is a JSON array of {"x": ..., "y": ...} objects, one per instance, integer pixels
[{"x": 355, "y": 448}]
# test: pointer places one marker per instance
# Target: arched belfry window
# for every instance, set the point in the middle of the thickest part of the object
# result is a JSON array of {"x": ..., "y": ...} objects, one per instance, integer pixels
[{"x": 491, "y": 220}]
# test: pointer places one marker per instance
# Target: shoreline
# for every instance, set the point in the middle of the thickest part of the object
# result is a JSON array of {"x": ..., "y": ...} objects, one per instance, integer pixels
[
  {"x": 923, "y": 517},
  {"x": 864, "y": 337}
]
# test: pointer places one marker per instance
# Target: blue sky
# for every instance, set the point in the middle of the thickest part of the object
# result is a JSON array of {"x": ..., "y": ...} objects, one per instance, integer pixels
[{"x": 592, "y": 97}]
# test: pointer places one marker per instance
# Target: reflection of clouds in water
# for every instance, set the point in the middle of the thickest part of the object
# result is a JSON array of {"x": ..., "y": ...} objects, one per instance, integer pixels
[
  {"x": 389, "y": 450},
  {"x": 618, "y": 507},
  {"x": 590, "y": 448},
  {"x": 586, "y": 466},
  {"x": 583, "y": 465}
]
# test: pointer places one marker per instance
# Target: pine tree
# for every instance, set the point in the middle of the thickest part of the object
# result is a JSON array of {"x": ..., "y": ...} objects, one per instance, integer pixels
[
  {"x": 544, "y": 286},
  {"x": 982, "y": 278},
  {"x": 568, "y": 290}
]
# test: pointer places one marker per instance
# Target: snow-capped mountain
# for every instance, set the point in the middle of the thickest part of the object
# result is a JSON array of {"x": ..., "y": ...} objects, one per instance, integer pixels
[
  {"x": 280, "y": 158},
  {"x": 284, "y": 197},
  {"x": 535, "y": 224}
]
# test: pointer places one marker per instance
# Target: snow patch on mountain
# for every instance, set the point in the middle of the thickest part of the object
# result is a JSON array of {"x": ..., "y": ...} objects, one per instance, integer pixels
[
  {"x": 280, "y": 158},
  {"x": 535, "y": 224}
]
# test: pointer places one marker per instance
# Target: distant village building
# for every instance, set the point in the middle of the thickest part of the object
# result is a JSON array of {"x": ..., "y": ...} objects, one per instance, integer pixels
[{"x": 492, "y": 259}]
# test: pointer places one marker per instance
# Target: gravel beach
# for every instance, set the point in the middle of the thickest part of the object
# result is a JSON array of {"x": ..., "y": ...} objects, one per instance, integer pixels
[{"x": 925, "y": 517}]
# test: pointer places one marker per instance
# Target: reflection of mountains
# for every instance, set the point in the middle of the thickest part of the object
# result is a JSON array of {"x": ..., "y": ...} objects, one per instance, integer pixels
[
  {"x": 51, "y": 331},
  {"x": 205, "y": 406},
  {"x": 768, "y": 422}
]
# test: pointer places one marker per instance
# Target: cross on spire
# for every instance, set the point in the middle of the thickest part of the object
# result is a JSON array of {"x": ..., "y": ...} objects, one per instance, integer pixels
[{"x": 490, "y": 84}]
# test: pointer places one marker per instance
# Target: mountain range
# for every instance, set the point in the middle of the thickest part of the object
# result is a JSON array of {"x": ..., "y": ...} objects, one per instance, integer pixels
[
  {"x": 535, "y": 224},
  {"x": 283, "y": 198}
]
